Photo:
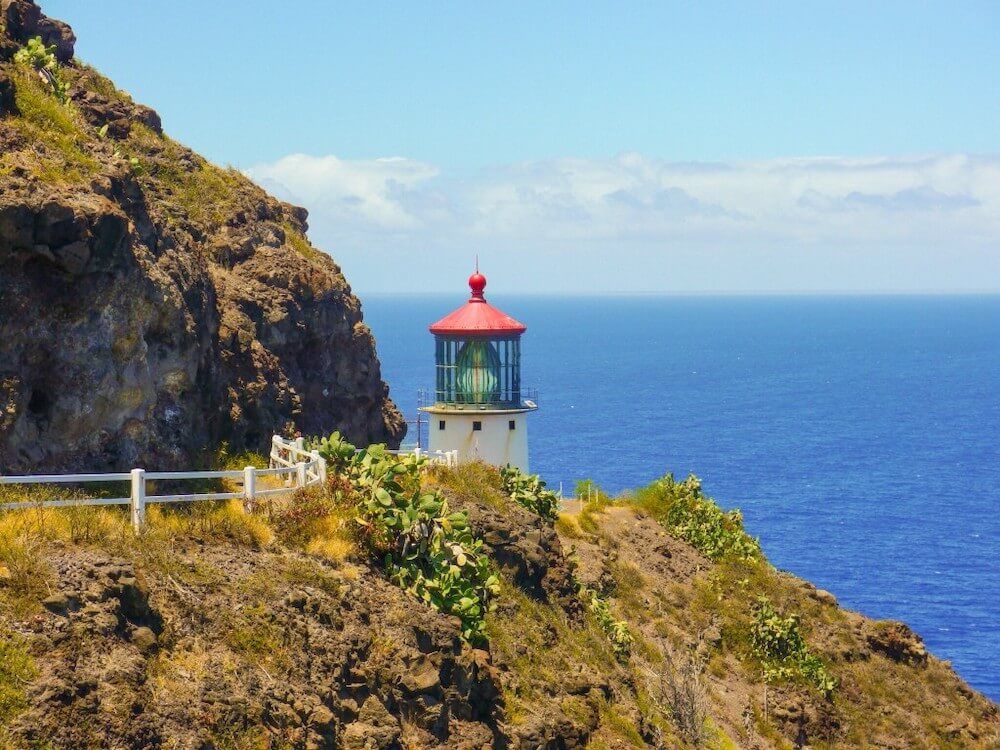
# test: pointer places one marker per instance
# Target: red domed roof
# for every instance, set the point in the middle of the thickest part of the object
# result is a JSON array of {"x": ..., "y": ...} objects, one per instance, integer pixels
[{"x": 477, "y": 316}]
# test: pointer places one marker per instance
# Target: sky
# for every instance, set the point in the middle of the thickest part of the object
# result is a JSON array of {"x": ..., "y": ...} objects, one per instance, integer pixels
[{"x": 594, "y": 147}]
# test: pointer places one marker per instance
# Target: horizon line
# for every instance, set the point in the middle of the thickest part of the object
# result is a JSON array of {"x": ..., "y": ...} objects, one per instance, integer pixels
[{"x": 705, "y": 293}]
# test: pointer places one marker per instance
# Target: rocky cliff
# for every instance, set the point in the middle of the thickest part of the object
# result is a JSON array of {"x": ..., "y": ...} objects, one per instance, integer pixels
[{"x": 153, "y": 305}]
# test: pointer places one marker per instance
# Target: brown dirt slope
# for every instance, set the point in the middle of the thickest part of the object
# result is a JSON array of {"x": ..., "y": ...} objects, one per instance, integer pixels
[
  {"x": 689, "y": 617},
  {"x": 151, "y": 303}
]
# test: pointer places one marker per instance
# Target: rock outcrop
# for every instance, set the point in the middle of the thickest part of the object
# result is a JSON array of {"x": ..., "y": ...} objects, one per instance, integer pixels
[
  {"x": 152, "y": 305},
  {"x": 275, "y": 650}
]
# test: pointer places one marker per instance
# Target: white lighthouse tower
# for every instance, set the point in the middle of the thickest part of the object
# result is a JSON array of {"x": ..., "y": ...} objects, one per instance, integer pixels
[{"x": 479, "y": 407}]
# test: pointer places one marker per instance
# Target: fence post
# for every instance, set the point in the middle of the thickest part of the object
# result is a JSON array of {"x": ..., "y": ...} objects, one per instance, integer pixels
[
  {"x": 300, "y": 473},
  {"x": 300, "y": 443},
  {"x": 249, "y": 487},
  {"x": 274, "y": 449},
  {"x": 321, "y": 465},
  {"x": 138, "y": 498},
  {"x": 416, "y": 452}
]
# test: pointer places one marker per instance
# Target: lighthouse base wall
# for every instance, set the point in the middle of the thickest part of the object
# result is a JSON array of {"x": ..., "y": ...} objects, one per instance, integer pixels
[{"x": 495, "y": 438}]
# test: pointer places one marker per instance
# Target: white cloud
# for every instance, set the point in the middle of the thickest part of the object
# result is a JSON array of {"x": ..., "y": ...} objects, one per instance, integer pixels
[
  {"x": 645, "y": 209},
  {"x": 373, "y": 191}
]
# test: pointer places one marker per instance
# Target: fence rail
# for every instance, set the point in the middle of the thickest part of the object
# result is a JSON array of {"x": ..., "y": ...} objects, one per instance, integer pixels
[{"x": 289, "y": 461}]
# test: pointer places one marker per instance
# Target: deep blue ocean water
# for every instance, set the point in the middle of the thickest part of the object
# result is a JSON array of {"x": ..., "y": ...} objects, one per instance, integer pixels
[{"x": 860, "y": 435}]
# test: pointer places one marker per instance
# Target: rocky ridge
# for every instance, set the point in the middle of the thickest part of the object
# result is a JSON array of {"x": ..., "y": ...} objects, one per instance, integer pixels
[
  {"x": 207, "y": 633},
  {"x": 153, "y": 305}
]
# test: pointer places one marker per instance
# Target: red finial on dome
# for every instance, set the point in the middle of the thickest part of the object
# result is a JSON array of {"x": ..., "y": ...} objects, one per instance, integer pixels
[{"x": 477, "y": 283}]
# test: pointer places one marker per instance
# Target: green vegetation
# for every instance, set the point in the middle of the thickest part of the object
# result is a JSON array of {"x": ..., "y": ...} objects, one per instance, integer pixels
[
  {"x": 779, "y": 645},
  {"x": 617, "y": 631},
  {"x": 471, "y": 482},
  {"x": 204, "y": 192},
  {"x": 42, "y": 59},
  {"x": 528, "y": 491},
  {"x": 300, "y": 243},
  {"x": 542, "y": 648},
  {"x": 253, "y": 633},
  {"x": 589, "y": 492},
  {"x": 57, "y": 132},
  {"x": 16, "y": 669},
  {"x": 695, "y": 518},
  {"x": 427, "y": 550}
]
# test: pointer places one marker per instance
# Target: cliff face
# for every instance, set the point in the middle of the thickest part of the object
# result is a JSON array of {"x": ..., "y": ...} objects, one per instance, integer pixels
[{"x": 152, "y": 304}]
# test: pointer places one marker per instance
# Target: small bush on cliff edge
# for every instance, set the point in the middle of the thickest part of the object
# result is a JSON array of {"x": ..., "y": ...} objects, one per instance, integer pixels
[
  {"x": 42, "y": 59},
  {"x": 528, "y": 491},
  {"x": 695, "y": 518}
]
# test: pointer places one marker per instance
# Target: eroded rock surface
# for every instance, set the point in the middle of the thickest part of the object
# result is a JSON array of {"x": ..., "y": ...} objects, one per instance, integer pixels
[{"x": 238, "y": 646}]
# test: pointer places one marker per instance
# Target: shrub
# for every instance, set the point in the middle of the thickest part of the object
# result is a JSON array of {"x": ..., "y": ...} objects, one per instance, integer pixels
[
  {"x": 590, "y": 492},
  {"x": 616, "y": 630},
  {"x": 778, "y": 643},
  {"x": 427, "y": 550},
  {"x": 528, "y": 491},
  {"x": 318, "y": 521},
  {"x": 684, "y": 695},
  {"x": 695, "y": 518}
]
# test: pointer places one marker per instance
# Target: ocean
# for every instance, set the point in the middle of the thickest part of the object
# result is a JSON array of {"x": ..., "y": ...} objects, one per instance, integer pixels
[{"x": 859, "y": 435}]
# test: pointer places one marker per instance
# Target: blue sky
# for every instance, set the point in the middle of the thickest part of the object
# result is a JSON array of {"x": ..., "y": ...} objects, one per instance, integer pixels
[{"x": 645, "y": 147}]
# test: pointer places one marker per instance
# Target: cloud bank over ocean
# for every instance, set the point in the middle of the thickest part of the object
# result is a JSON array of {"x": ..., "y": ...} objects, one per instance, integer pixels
[{"x": 636, "y": 223}]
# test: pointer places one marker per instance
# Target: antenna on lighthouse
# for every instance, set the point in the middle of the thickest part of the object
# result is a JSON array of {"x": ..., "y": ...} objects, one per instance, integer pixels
[{"x": 477, "y": 262}]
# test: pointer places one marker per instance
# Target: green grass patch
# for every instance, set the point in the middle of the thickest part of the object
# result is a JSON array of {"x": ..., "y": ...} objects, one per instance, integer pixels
[
  {"x": 300, "y": 243},
  {"x": 253, "y": 633},
  {"x": 203, "y": 192},
  {"x": 17, "y": 668},
  {"x": 56, "y": 132}
]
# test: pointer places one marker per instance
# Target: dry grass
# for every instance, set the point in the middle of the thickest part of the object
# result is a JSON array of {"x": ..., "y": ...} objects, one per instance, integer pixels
[
  {"x": 17, "y": 668},
  {"x": 210, "y": 521},
  {"x": 568, "y": 527},
  {"x": 588, "y": 519},
  {"x": 25, "y": 576},
  {"x": 318, "y": 521},
  {"x": 541, "y": 648},
  {"x": 473, "y": 482},
  {"x": 203, "y": 192}
]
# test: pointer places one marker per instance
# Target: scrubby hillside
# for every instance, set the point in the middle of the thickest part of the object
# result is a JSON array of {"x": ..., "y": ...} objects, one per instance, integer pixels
[
  {"x": 152, "y": 304},
  {"x": 411, "y": 606}
]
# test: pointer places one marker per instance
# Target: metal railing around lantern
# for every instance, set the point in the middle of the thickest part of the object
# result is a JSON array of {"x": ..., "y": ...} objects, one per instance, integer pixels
[{"x": 430, "y": 397}]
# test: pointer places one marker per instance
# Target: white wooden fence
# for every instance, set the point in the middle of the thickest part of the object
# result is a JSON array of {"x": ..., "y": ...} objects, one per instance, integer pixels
[{"x": 290, "y": 463}]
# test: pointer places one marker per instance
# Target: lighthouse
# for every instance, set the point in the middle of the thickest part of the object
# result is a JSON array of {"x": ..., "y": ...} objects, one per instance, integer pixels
[{"x": 479, "y": 407}]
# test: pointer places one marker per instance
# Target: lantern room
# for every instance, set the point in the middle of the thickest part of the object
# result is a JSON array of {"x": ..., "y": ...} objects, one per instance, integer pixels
[{"x": 478, "y": 403}]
